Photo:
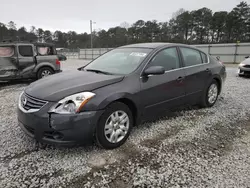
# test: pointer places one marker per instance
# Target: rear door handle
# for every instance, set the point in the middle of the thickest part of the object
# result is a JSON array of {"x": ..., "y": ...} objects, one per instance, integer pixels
[
  {"x": 208, "y": 71},
  {"x": 180, "y": 78}
]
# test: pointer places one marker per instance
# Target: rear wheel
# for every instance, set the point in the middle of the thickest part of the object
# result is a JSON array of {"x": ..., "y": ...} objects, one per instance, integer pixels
[
  {"x": 210, "y": 96},
  {"x": 114, "y": 126},
  {"x": 44, "y": 72}
]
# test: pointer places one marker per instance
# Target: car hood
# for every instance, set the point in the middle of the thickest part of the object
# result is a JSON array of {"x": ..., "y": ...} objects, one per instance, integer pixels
[
  {"x": 246, "y": 61},
  {"x": 58, "y": 86}
]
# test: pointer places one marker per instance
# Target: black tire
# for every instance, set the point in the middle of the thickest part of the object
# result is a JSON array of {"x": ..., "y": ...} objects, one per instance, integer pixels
[
  {"x": 101, "y": 139},
  {"x": 42, "y": 70},
  {"x": 240, "y": 75},
  {"x": 204, "y": 101}
]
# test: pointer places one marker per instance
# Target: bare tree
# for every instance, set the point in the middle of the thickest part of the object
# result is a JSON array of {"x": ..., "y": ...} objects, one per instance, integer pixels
[
  {"x": 125, "y": 25},
  {"x": 178, "y": 12}
]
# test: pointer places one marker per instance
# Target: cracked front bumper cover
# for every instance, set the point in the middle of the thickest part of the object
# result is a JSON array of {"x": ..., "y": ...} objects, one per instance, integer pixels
[{"x": 59, "y": 129}]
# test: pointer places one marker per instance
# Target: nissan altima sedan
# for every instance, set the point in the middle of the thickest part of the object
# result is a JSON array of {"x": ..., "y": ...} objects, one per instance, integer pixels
[
  {"x": 244, "y": 67},
  {"x": 105, "y": 99}
]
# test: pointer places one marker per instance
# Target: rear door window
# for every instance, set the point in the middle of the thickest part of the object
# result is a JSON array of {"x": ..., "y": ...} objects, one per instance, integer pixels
[
  {"x": 7, "y": 51},
  {"x": 191, "y": 57},
  {"x": 26, "y": 51}
]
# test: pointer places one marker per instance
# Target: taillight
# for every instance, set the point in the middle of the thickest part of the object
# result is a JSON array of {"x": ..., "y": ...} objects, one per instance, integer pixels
[
  {"x": 221, "y": 62},
  {"x": 58, "y": 62}
]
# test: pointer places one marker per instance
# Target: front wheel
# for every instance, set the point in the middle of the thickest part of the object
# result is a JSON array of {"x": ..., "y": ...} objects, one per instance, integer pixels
[
  {"x": 114, "y": 126},
  {"x": 44, "y": 72},
  {"x": 210, "y": 96}
]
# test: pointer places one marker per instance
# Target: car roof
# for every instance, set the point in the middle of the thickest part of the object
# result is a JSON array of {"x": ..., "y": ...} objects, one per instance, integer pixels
[
  {"x": 12, "y": 43},
  {"x": 8, "y": 43},
  {"x": 43, "y": 44},
  {"x": 155, "y": 45},
  {"x": 146, "y": 45}
]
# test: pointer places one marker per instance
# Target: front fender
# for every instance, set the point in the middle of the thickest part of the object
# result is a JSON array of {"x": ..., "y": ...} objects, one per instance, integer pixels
[
  {"x": 100, "y": 103},
  {"x": 115, "y": 97}
]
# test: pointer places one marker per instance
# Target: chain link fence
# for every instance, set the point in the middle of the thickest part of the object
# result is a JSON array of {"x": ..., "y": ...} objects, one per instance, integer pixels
[{"x": 228, "y": 53}]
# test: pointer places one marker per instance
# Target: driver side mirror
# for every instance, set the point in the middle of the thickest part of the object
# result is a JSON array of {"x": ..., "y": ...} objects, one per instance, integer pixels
[
  {"x": 247, "y": 57},
  {"x": 154, "y": 70}
]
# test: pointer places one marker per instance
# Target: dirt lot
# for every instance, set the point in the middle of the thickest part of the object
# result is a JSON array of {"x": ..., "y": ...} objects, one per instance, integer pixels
[{"x": 188, "y": 148}]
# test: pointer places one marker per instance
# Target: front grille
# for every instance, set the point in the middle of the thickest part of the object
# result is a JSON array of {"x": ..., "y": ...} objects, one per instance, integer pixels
[
  {"x": 53, "y": 135},
  {"x": 31, "y": 103},
  {"x": 246, "y": 66}
]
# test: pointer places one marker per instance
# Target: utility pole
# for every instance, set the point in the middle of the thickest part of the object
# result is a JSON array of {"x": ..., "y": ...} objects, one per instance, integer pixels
[{"x": 91, "y": 37}]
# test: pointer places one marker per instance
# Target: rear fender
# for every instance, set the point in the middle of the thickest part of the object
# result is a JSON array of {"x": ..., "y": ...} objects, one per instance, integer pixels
[
  {"x": 44, "y": 64},
  {"x": 218, "y": 79},
  {"x": 8, "y": 67}
]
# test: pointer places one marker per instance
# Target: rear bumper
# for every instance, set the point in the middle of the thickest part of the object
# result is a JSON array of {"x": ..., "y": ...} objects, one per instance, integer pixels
[
  {"x": 56, "y": 129},
  {"x": 58, "y": 71}
]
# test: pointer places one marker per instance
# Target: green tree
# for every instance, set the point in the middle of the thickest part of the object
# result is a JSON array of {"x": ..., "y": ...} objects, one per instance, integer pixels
[
  {"x": 241, "y": 15},
  {"x": 202, "y": 19},
  {"x": 218, "y": 26},
  {"x": 47, "y": 36},
  {"x": 22, "y": 34},
  {"x": 192, "y": 27},
  {"x": 3, "y": 32},
  {"x": 184, "y": 26},
  {"x": 40, "y": 34},
  {"x": 12, "y": 33}
]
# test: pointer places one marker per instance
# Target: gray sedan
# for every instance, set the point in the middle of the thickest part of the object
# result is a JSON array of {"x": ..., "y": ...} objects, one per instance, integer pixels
[
  {"x": 244, "y": 67},
  {"x": 124, "y": 87}
]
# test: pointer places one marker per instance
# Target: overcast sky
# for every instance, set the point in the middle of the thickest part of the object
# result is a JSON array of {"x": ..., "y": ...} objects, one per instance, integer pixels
[{"x": 74, "y": 15}]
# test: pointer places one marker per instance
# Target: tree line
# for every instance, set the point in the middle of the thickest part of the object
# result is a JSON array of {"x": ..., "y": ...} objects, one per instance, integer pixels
[{"x": 190, "y": 27}]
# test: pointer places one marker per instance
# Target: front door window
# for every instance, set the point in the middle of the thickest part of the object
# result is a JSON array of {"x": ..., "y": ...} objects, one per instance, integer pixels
[{"x": 167, "y": 58}]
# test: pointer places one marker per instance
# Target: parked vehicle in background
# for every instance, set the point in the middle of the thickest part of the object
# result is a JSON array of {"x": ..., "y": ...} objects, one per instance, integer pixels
[
  {"x": 244, "y": 67},
  {"x": 61, "y": 57},
  {"x": 103, "y": 100},
  {"x": 20, "y": 60}
]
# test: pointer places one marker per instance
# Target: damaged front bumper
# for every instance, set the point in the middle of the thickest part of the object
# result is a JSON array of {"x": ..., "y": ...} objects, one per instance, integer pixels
[{"x": 59, "y": 129}]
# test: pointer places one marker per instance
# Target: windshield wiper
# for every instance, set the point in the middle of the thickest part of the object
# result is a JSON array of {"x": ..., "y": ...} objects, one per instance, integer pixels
[{"x": 98, "y": 71}]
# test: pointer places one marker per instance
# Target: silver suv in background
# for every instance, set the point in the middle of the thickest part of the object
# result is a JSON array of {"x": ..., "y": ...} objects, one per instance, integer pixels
[{"x": 21, "y": 60}]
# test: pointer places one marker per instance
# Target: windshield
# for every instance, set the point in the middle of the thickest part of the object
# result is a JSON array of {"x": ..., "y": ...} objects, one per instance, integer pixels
[{"x": 119, "y": 61}]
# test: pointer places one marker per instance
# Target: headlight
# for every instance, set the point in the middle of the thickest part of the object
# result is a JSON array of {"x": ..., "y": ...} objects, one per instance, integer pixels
[
  {"x": 242, "y": 64},
  {"x": 72, "y": 104}
]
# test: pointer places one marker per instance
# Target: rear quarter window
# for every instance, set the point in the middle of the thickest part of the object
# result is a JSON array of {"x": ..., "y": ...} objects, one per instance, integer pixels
[
  {"x": 204, "y": 57},
  {"x": 7, "y": 51},
  {"x": 45, "y": 51}
]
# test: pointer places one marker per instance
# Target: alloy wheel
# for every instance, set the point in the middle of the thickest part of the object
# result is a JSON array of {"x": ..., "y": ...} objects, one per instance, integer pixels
[
  {"x": 45, "y": 73},
  {"x": 116, "y": 126},
  {"x": 212, "y": 93}
]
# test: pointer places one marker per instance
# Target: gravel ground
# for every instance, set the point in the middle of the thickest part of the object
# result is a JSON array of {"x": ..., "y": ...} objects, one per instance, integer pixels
[{"x": 187, "y": 148}]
